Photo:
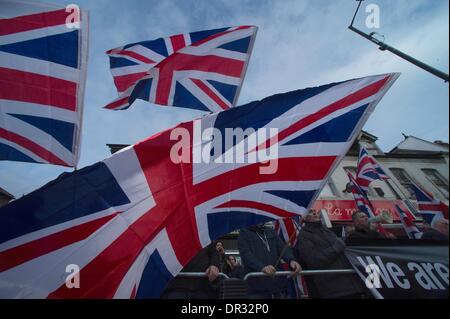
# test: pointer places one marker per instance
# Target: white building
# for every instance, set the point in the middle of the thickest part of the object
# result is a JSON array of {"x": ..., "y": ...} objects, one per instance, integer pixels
[{"x": 423, "y": 162}]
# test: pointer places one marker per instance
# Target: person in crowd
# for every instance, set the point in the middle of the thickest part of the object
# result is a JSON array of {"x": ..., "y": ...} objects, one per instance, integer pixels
[
  {"x": 236, "y": 270},
  {"x": 347, "y": 230},
  {"x": 375, "y": 226},
  {"x": 261, "y": 248},
  {"x": 224, "y": 266},
  {"x": 362, "y": 228},
  {"x": 208, "y": 261},
  {"x": 319, "y": 248},
  {"x": 438, "y": 230}
]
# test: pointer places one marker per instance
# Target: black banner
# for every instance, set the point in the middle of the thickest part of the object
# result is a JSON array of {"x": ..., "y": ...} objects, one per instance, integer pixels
[{"x": 402, "y": 269}]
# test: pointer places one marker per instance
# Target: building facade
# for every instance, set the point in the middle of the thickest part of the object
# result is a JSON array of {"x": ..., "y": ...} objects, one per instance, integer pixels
[{"x": 412, "y": 160}]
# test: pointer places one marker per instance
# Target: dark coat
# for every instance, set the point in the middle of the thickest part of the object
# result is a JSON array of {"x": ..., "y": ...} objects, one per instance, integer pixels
[
  {"x": 255, "y": 256},
  {"x": 319, "y": 248},
  {"x": 206, "y": 257},
  {"x": 362, "y": 233},
  {"x": 433, "y": 234}
]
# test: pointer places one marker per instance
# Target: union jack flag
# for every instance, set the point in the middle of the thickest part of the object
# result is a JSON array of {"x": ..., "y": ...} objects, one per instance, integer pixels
[
  {"x": 411, "y": 230},
  {"x": 360, "y": 197},
  {"x": 362, "y": 202},
  {"x": 200, "y": 70},
  {"x": 288, "y": 229},
  {"x": 429, "y": 206},
  {"x": 131, "y": 222},
  {"x": 368, "y": 170},
  {"x": 42, "y": 78}
]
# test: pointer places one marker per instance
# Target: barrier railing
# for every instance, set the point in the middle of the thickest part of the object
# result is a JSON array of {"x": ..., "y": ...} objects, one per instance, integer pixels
[
  {"x": 236, "y": 290},
  {"x": 199, "y": 275},
  {"x": 302, "y": 273},
  {"x": 277, "y": 274}
]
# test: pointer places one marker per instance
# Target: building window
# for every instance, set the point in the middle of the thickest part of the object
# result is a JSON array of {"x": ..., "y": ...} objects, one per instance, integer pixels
[
  {"x": 437, "y": 180},
  {"x": 379, "y": 191},
  {"x": 333, "y": 187},
  {"x": 405, "y": 180},
  {"x": 329, "y": 190}
]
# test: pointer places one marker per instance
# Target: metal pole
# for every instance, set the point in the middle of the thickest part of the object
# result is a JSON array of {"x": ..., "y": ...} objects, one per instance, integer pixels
[
  {"x": 383, "y": 46},
  {"x": 199, "y": 275},
  {"x": 303, "y": 273}
]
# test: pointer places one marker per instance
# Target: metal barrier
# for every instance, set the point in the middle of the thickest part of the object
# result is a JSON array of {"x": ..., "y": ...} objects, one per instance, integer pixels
[
  {"x": 233, "y": 288},
  {"x": 199, "y": 275},
  {"x": 277, "y": 274},
  {"x": 302, "y": 273}
]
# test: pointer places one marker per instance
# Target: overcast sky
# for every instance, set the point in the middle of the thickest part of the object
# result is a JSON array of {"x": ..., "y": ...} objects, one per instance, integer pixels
[{"x": 299, "y": 44}]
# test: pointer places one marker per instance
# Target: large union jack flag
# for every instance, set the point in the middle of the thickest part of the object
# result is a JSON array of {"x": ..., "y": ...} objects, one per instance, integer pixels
[
  {"x": 368, "y": 170},
  {"x": 42, "y": 78},
  {"x": 200, "y": 70},
  {"x": 429, "y": 206},
  {"x": 132, "y": 221}
]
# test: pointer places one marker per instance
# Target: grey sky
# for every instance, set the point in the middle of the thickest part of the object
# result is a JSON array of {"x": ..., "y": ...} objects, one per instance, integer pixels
[{"x": 299, "y": 44}]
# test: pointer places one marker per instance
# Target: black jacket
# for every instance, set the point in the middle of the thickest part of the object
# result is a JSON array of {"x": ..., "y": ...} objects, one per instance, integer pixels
[
  {"x": 206, "y": 257},
  {"x": 255, "y": 256},
  {"x": 361, "y": 233},
  {"x": 433, "y": 234},
  {"x": 319, "y": 248}
]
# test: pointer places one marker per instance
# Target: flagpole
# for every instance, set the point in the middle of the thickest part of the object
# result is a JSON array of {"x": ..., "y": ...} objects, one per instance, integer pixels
[{"x": 286, "y": 245}]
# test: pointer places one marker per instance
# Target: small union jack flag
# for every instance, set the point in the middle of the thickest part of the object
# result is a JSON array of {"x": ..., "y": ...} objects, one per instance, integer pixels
[
  {"x": 368, "y": 170},
  {"x": 362, "y": 202},
  {"x": 429, "y": 206},
  {"x": 360, "y": 197},
  {"x": 43, "y": 55},
  {"x": 200, "y": 70},
  {"x": 131, "y": 222},
  {"x": 411, "y": 230},
  {"x": 288, "y": 229}
]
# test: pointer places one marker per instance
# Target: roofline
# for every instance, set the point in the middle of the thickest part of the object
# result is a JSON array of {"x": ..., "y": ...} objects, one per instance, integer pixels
[
  {"x": 421, "y": 139},
  {"x": 429, "y": 155}
]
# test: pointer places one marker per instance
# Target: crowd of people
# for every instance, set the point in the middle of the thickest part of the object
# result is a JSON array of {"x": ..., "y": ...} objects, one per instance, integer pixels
[{"x": 263, "y": 251}]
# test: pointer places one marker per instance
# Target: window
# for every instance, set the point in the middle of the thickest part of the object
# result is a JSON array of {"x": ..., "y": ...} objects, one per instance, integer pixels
[
  {"x": 404, "y": 179},
  {"x": 352, "y": 170},
  {"x": 330, "y": 189},
  {"x": 333, "y": 187},
  {"x": 437, "y": 180},
  {"x": 379, "y": 191}
]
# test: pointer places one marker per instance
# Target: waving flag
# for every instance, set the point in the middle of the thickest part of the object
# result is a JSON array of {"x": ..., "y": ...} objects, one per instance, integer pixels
[
  {"x": 200, "y": 70},
  {"x": 368, "y": 170},
  {"x": 429, "y": 206},
  {"x": 288, "y": 229},
  {"x": 43, "y": 53},
  {"x": 360, "y": 197},
  {"x": 411, "y": 230},
  {"x": 131, "y": 222},
  {"x": 362, "y": 202}
]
